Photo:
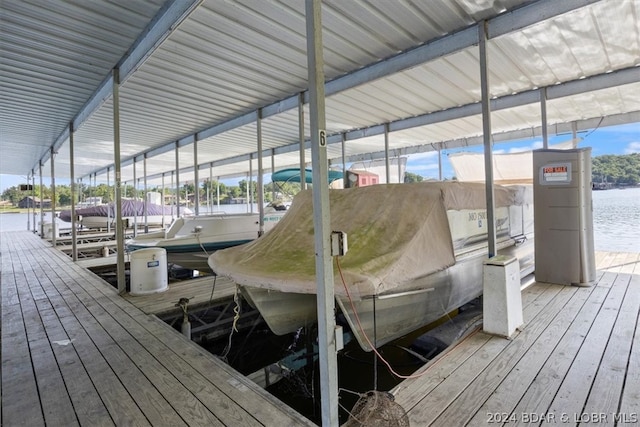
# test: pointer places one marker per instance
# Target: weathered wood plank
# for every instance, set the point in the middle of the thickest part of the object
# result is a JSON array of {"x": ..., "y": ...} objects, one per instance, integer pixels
[
  {"x": 198, "y": 291},
  {"x": 239, "y": 415},
  {"x": 630, "y": 400},
  {"x": 18, "y": 379},
  {"x": 56, "y": 404},
  {"x": 160, "y": 363},
  {"x": 89, "y": 343},
  {"x": 538, "y": 397},
  {"x": 256, "y": 401},
  {"x": 508, "y": 393},
  {"x": 433, "y": 405},
  {"x": 117, "y": 399},
  {"x": 470, "y": 399},
  {"x": 606, "y": 391},
  {"x": 572, "y": 394},
  {"x": 410, "y": 391}
]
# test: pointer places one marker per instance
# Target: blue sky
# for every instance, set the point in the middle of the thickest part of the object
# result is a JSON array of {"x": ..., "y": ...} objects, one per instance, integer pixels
[{"x": 622, "y": 139}]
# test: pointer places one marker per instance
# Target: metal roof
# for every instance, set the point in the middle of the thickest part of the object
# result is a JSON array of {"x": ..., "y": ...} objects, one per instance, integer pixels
[{"x": 202, "y": 70}]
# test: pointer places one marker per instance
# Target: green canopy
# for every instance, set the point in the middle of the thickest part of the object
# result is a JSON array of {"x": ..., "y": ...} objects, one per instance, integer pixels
[{"x": 293, "y": 175}]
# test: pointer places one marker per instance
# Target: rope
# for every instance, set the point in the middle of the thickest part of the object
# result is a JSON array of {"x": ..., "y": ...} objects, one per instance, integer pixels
[
  {"x": 373, "y": 348},
  {"x": 234, "y": 328},
  {"x": 201, "y": 245}
]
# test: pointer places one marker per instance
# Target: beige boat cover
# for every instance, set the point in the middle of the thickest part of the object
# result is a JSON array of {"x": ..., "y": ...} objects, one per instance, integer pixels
[{"x": 397, "y": 233}]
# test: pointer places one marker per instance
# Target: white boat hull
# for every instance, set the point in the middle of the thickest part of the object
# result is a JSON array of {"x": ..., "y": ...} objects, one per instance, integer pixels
[
  {"x": 190, "y": 241},
  {"x": 103, "y": 222},
  {"x": 416, "y": 252},
  {"x": 395, "y": 314}
]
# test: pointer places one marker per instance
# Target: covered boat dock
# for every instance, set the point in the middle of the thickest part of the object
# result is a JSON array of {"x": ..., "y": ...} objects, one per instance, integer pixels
[{"x": 163, "y": 92}]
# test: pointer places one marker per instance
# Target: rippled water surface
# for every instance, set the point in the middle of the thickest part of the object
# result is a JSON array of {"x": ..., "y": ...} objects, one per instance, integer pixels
[{"x": 616, "y": 220}]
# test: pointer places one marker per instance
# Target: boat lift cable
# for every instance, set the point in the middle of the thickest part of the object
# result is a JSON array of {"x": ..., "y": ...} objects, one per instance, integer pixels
[
  {"x": 234, "y": 327},
  {"x": 215, "y": 278},
  {"x": 197, "y": 233},
  {"x": 374, "y": 349},
  {"x": 375, "y": 343}
]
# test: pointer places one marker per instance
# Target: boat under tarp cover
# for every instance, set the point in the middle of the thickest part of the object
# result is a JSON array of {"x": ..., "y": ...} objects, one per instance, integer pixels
[
  {"x": 397, "y": 233},
  {"x": 416, "y": 253},
  {"x": 130, "y": 208}
]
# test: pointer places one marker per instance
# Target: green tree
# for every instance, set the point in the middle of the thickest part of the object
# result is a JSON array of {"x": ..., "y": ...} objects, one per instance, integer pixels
[
  {"x": 63, "y": 195},
  {"x": 616, "y": 169},
  {"x": 14, "y": 195},
  {"x": 412, "y": 177}
]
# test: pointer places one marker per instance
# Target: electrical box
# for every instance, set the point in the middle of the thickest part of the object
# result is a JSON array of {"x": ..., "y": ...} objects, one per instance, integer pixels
[
  {"x": 501, "y": 297},
  {"x": 563, "y": 217},
  {"x": 338, "y": 243}
]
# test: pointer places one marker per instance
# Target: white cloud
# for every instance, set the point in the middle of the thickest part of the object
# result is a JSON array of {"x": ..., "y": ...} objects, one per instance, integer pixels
[
  {"x": 633, "y": 147},
  {"x": 423, "y": 163},
  {"x": 426, "y": 156},
  {"x": 534, "y": 146}
]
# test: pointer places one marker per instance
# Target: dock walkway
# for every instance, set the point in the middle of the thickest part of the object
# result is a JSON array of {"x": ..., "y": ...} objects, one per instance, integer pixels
[
  {"x": 75, "y": 353},
  {"x": 576, "y": 361}
]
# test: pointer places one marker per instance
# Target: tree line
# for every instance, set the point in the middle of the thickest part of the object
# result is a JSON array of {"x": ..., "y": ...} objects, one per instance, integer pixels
[
  {"x": 207, "y": 191},
  {"x": 616, "y": 170}
]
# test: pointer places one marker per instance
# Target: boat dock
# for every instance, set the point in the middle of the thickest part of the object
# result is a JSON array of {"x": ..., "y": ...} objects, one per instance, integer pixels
[
  {"x": 200, "y": 292},
  {"x": 74, "y": 352},
  {"x": 576, "y": 360}
]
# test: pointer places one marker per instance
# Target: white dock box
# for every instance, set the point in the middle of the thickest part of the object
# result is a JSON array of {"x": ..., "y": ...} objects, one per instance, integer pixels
[{"x": 502, "y": 299}]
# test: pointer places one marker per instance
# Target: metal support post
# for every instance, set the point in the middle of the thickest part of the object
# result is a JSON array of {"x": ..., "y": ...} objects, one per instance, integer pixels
[
  {"x": 54, "y": 226},
  {"x": 122, "y": 280},
  {"x": 196, "y": 178},
  {"x": 260, "y": 173},
  {"x": 303, "y": 161},
  {"x": 386, "y": 154},
  {"x": 74, "y": 231},
  {"x": 321, "y": 219},
  {"x": 486, "y": 133},
  {"x": 543, "y": 116}
]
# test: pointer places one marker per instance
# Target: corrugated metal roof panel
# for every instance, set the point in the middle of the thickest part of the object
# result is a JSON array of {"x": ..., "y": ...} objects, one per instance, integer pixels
[
  {"x": 54, "y": 55},
  {"x": 230, "y": 58}
]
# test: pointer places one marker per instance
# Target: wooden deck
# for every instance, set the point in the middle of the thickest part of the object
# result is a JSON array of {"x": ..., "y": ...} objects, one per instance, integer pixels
[
  {"x": 575, "y": 361},
  {"x": 75, "y": 353},
  {"x": 200, "y": 292}
]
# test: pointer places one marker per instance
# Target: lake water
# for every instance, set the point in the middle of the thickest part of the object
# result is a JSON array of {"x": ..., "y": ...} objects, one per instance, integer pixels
[{"x": 616, "y": 220}]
